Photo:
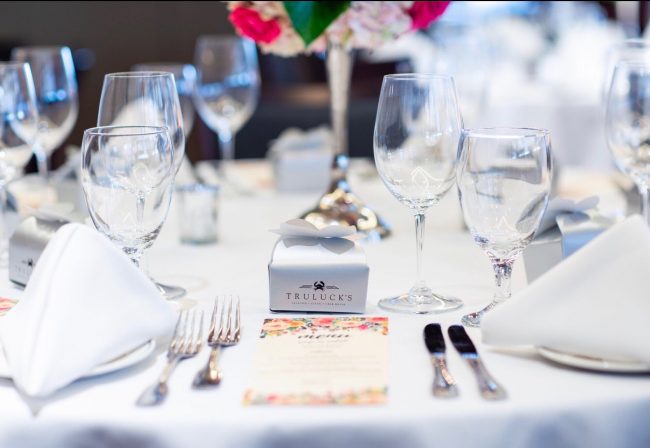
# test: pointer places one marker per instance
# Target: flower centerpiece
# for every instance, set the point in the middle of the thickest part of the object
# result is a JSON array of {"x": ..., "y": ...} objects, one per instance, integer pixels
[{"x": 291, "y": 28}]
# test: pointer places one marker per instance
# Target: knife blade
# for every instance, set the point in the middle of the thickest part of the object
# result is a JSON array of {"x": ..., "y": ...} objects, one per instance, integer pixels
[
  {"x": 489, "y": 388},
  {"x": 444, "y": 385}
]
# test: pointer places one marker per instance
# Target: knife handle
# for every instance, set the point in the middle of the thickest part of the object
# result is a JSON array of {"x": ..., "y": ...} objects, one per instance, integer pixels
[
  {"x": 444, "y": 385},
  {"x": 489, "y": 388}
]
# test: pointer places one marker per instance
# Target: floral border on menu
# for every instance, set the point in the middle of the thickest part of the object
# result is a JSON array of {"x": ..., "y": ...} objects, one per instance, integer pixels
[
  {"x": 309, "y": 325},
  {"x": 6, "y": 305},
  {"x": 365, "y": 396}
]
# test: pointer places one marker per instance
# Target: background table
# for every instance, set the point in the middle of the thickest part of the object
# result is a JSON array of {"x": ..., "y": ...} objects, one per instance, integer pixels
[{"x": 548, "y": 405}]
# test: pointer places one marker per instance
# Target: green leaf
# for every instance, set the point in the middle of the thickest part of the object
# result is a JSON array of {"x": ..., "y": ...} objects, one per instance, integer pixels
[{"x": 310, "y": 19}]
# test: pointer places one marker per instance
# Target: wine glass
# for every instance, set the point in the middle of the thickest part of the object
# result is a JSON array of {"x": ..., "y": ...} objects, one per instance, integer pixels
[
  {"x": 227, "y": 86},
  {"x": 56, "y": 97},
  {"x": 629, "y": 50},
  {"x": 18, "y": 129},
  {"x": 149, "y": 99},
  {"x": 127, "y": 177},
  {"x": 504, "y": 180},
  {"x": 627, "y": 125},
  {"x": 143, "y": 98},
  {"x": 416, "y": 139},
  {"x": 185, "y": 78}
]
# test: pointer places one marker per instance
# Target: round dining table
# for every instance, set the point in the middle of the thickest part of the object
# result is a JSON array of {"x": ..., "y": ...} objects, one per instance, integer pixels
[{"x": 548, "y": 405}]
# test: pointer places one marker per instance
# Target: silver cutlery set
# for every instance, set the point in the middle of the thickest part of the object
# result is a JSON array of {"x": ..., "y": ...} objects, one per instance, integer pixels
[
  {"x": 187, "y": 342},
  {"x": 444, "y": 385}
]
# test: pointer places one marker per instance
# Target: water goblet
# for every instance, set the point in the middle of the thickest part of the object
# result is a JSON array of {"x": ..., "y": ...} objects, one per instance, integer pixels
[
  {"x": 504, "y": 181},
  {"x": 127, "y": 178},
  {"x": 415, "y": 143}
]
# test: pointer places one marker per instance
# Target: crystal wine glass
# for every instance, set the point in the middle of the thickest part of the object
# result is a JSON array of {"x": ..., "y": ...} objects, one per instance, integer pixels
[
  {"x": 127, "y": 177},
  {"x": 627, "y": 125},
  {"x": 227, "y": 86},
  {"x": 149, "y": 99},
  {"x": 185, "y": 77},
  {"x": 143, "y": 99},
  {"x": 18, "y": 129},
  {"x": 504, "y": 180},
  {"x": 56, "y": 97},
  {"x": 629, "y": 50},
  {"x": 416, "y": 139}
]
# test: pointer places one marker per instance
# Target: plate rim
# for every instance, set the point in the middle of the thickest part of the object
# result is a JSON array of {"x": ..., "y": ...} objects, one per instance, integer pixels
[
  {"x": 592, "y": 363},
  {"x": 133, "y": 357}
]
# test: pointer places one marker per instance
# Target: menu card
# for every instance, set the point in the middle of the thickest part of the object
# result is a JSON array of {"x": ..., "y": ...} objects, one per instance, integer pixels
[{"x": 320, "y": 360}]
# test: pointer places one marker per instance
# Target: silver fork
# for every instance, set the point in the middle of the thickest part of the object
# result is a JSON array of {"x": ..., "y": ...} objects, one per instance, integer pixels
[
  {"x": 224, "y": 332},
  {"x": 186, "y": 342}
]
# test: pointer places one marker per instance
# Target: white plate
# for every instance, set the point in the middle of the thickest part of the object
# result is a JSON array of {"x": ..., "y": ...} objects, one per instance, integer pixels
[
  {"x": 128, "y": 359},
  {"x": 591, "y": 363}
]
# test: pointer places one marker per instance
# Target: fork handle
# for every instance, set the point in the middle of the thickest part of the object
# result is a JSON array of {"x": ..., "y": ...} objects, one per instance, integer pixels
[
  {"x": 157, "y": 392},
  {"x": 210, "y": 375},
  {"x": 168, "y": 370}
]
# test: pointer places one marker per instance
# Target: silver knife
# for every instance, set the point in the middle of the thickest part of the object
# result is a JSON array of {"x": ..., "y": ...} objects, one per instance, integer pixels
[
  {"x": 489, "y": 388},
  {"x": 444, "y": 385}
]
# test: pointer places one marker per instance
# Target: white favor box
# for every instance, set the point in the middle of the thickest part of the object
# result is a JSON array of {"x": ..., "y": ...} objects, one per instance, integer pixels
[
  {"x": 573, "y": 231},
  {"x": 323, "y": 275}
]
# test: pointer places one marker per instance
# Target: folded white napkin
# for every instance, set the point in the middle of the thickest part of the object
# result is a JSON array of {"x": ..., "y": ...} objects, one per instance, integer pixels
[
  {"x": 85, "y": 304},
  {"x": 594, "y": 303}
]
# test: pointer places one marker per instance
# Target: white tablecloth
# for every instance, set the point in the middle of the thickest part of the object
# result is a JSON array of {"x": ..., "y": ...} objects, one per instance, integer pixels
[{"x": 548, "y": 405}]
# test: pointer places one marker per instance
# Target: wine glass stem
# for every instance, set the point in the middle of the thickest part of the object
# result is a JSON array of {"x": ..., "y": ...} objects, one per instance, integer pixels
[
  {"x": 419, "y": 242},
  {"x": 41, "y": 163},
  {"x": 502, "y": 274},
  {"x": 227, "y": 143},
  {"x": 136, "y": 252},
  {"x": 4, "y": 238},
  {"x": 645, "y": 210}
]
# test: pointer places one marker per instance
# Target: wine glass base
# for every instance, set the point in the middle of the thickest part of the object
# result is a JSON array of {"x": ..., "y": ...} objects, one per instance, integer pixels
[
  {"x": 170, "y": 292},
  {"x": 474, "y": 319},
  {"x": 406, "y": 304}
]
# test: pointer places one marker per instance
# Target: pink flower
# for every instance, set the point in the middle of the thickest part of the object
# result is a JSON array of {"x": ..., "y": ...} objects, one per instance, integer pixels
[
  {"x": 322, "y": 321},
  {"x": 423, "y": 13},
  {"x": 250, "y": 23}
]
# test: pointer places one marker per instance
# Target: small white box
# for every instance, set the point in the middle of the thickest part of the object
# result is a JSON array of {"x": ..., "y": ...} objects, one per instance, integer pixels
[
  {"x": 323, "y": 275},
  {"x": 572, "y": 232}
]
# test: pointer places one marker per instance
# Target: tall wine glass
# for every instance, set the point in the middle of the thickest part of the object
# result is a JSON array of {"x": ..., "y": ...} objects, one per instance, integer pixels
[
  {"x": 185, "y": 77},
  {"x": 56, "y": 97},
  {"x": 416, "y": 139},
  {"x": 150, "y": 99},
  {"x": 143, "y": 98},
  {"x": 227, "y": 86},
  {"x": 127, "y": 177},
  {"x": 18, "y": 129},
  {"x": 627, "y": 125},
  {"x": 630, "y": 51},
  {"x": 504, "y": 180}
]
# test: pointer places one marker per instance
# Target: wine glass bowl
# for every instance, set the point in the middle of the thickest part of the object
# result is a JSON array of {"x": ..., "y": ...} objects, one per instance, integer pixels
[
  {"x": 415, "y": 144},
  {"x": 227, "y": 86},
  {"x": 127, "y": 177},
  {"x": 144, "y": 99},
  {"x": 56, "y": 97},
  {"x": 504, "y": 180},
  {"x": 185, "y": 78}
]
